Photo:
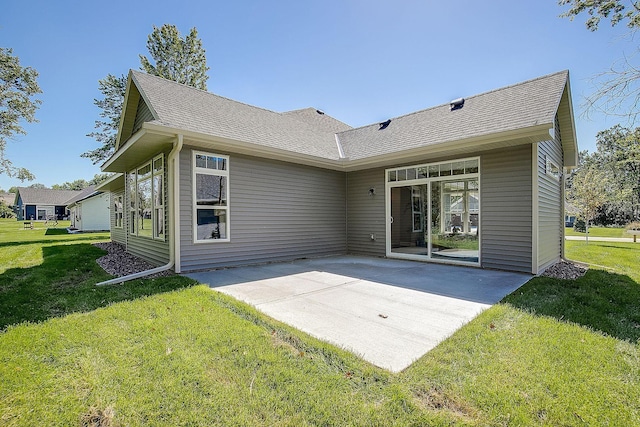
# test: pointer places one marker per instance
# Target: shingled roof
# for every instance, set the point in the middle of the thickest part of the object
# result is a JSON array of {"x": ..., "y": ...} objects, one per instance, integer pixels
[
  {"x": 530, "y": 106},
  {"x": 88, "y": 192},
  {"x": 182, "y": 107},
  {"x": 8, "y": 198},
  {"x": 520, "y": 106},
  {"x": 45, "y": 196}
]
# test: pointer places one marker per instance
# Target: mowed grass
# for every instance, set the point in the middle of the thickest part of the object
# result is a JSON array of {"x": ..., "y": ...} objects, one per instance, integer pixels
[
  {"x": 195, "y": 357},
  {"x": 46, "y": 272},
  {"x": 598, "y": 232}
]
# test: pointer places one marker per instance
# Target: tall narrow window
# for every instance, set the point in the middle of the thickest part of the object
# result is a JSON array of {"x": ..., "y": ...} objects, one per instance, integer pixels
[
  {"x": 144, "y": 208},
  {"x": 158, "y": 197},
  {"x": 131, "y": 183},
  {"x": 118, "y": 207},
  {"x": 210, "y": 197},
  {"x": 416, "y": 208}
]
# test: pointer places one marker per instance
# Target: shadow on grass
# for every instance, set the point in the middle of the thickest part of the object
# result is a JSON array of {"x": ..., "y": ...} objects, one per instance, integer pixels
[
  {"x": 625, "y": 248},
  {"x": 56, "y": 231},
  {"x": 65, "y": 283},
  {"x": 599, "y": 300},
  {"x": 75, "y": 237}
]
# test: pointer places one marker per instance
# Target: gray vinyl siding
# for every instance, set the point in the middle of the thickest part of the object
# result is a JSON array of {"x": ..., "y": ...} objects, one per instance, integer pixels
[
  {"x": 365, "y": 213},
  {"x": 117, "y": 234},
  {"x": 506, "y": 209},
  {"x": 550, "y": 217},
  {"x": 143, "y": 114},
  {"x": 278, "y": 211},
  {"x": 154, "y": 251}
]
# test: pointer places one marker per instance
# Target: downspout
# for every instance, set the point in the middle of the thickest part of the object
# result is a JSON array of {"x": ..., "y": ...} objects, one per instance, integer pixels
[{"x": 173, "y": 224}]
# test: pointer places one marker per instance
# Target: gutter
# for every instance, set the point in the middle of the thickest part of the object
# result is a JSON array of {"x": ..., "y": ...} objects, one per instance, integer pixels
[{"x": 172, "y": 159}]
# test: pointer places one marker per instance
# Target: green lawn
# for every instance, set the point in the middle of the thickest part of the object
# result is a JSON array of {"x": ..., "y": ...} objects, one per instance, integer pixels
[
  {"x": 598, "y": 232},
  {"x": 553, "y": 353}
]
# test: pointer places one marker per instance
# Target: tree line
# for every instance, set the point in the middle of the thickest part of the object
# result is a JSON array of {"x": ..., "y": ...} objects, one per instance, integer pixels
[{"x": 605, "y": 188}]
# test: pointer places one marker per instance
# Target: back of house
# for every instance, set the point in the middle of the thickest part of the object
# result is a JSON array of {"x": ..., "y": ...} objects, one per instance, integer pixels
[{"x": 203, "y": 181}]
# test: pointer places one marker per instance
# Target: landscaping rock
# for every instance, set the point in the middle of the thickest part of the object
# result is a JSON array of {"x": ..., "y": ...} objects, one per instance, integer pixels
[
  {"x": 118, "y": 262},
  {"x": 565, "y": 270}
]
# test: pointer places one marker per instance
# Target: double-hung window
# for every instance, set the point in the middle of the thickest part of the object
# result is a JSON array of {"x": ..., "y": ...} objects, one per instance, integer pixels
[{"x": 210, "y": 197}]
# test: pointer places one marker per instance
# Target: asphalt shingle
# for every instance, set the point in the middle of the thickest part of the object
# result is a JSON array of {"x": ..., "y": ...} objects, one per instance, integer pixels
[
  {"x": 45, "y": 196},
  {"x": 514, "y": 107},
  {"x": 183, "y": 107},
  {"x": 308, "y": 132}
]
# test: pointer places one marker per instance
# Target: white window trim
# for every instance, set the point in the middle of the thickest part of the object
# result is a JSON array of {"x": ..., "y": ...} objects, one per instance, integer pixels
[
  {"x": 132, "y": 220},
  {"x": 155, "y": 208},
  {"x": 119, "y": 224},
  {"x": 194, "y": 206},
  {"x": 389, "y": 184},
  {"x": 135, "y": 208}
]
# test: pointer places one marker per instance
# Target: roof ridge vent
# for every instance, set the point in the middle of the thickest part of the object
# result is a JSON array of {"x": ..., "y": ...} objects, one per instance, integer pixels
[
  {"x": 456, "y": 104},
  {"x": 320, "y": 112},
  {"x": 384, "y": 125}
]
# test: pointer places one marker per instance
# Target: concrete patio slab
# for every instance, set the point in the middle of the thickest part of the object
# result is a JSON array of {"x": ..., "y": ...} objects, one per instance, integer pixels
[{"x": 389, "y": 312}]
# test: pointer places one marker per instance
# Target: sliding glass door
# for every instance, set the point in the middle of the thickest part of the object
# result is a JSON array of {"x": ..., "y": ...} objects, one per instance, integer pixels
[
  {"x": 434, "y": 211},
  {"x": 409, "y": 219}
]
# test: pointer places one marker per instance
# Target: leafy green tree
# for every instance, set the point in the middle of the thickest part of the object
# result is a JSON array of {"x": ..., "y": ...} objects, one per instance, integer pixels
[
  {"x": 172, "y": 57},
  {"x": 113, "y": 89},
  {"x": 618, "y": 89},
  {"x": 78, "y": 184},
  {"x": 616, "y": 11},
  {"x": 18, "y": 86},
  {"x": 618, "y": 156},
  {"x": 37, "y": 185},
  {"x": 5, "y": 211},
  {"x": 99, "y": 178},
  {"x": 175, "y": 58},
  {"x": 81, "y": 184},
  {"x": 589, "y": 193}
]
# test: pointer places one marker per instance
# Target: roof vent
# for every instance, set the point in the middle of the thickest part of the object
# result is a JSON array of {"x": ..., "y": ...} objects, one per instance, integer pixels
[
  {"x": 320, "y": 112},
  {"x": 456, "y": 104},
  {"x": 384, "y": 125}
]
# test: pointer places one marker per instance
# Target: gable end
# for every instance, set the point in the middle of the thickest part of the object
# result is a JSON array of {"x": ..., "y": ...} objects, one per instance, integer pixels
[{"x": 135, "y": 112}]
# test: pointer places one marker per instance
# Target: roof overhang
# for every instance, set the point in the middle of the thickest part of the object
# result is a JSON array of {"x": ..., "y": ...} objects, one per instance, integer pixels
[
  {"x": 114, "y": 183},
  {"x": 76, "y": 202},
  {"x": 459, "y": 147},
  {"x": 142, "y": 145},
  {"x": 153, "y": 138}
]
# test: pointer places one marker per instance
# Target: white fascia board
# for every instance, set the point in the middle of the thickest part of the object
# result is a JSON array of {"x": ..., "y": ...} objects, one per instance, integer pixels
[{"x": 529, "y": 135}]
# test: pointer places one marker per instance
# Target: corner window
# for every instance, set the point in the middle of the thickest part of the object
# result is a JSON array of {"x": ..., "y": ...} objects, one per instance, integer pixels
[
  {"x": 210, "y": 197},
  {"x": 146, "y": 206}
]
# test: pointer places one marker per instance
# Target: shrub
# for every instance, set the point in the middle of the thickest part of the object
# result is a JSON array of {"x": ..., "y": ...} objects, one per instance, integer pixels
[{"x": 580, "y": 226}]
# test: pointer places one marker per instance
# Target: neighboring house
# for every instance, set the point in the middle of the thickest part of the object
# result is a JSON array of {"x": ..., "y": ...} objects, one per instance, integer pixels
[
  {"x": 8, "y": 198},
  {"x": 41, "y": 204},
  {"x": 205, "y": 182},
  {"x": 570, "y": 214},
  {"x": 89, "y": 210}
]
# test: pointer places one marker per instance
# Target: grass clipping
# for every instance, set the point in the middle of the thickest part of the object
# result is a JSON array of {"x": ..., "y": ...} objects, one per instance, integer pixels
[{"x": 98, "y": 417}]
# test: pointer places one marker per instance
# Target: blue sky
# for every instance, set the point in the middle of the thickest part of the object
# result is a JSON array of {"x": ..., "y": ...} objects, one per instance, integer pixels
[{"x": 360, "y": 61}]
